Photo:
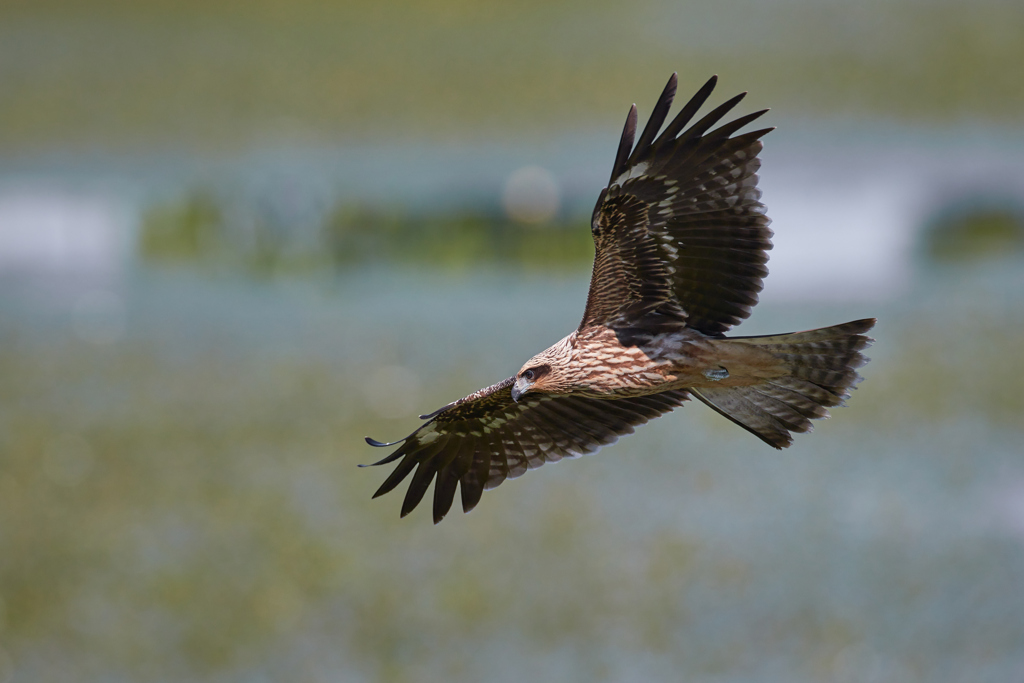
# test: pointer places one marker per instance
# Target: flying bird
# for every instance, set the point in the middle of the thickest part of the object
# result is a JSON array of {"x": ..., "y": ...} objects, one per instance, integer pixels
[{"x": 681, "y": 240}]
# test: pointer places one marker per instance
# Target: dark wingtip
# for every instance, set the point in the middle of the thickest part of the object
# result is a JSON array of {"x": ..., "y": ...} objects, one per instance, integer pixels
[
  {"x": 687, "y": 112},
  {"x": 431, "y": 416},
  {"x": 375, "y": 444},
  {"x": 390, "y": 458},
  {"x": 631, "y": 121},
  {"x": 654, "y": 123},
  {"x": 724, "y": 108},
  {"x": 625, "y": 145}
]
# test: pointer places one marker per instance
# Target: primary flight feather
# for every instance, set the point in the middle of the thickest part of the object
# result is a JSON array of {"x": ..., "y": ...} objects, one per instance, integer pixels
[{"x": 681, "y": 241}]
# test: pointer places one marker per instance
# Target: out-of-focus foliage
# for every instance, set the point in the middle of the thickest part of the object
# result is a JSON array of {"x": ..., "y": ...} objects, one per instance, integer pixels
[
  {"x": 227, "y": 74},
  {"x": 978, "y": 231},
  {"x": 358, "y": 235},
  {"x": 199, "y": 230},
  {"x": 187, "y": 231}
]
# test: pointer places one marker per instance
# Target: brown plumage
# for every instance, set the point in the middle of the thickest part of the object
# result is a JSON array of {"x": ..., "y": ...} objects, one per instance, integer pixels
[{"x": 681, "y": 243}]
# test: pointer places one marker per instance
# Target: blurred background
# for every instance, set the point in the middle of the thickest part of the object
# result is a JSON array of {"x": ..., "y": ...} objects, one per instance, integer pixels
[{"x": 237, "y": 237}]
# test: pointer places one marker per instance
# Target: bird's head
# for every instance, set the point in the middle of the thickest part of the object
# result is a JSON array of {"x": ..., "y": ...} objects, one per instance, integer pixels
[
  {"x": 531, "y": 378},
  {"x": 549, "y": 372}
]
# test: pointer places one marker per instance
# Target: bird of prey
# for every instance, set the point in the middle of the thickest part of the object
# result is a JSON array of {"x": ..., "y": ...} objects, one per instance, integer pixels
[{"x": 681, "y": 242}]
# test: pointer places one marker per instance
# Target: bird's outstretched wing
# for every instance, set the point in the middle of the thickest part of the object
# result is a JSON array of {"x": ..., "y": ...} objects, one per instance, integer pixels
[
  {"x": 485, "y": 438},
  {"x": 680, "y": 232}
]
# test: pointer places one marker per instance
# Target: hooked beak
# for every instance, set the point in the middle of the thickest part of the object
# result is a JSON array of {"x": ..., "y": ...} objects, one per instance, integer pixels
[{"x": 520, "y": 387}]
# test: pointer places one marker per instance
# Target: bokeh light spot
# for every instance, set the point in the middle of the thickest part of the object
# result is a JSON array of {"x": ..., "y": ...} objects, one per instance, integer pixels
[{"x": 531, "y": 195}]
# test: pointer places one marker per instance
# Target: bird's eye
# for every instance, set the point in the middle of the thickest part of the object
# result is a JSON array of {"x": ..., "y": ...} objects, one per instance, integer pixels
[{"x": 528, "y": 375}]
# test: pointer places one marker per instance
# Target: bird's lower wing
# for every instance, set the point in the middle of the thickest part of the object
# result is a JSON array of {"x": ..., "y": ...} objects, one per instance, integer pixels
[{"x": 481, "y": 440}]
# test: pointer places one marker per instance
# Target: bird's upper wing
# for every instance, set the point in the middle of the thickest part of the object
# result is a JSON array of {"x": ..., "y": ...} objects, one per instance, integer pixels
[
  {"x": 680, "y": 232},
  {"x": 486, "y": 437}
]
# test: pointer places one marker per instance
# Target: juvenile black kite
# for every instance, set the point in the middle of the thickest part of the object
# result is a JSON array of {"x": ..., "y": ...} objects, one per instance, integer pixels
[{"x": 681, "y": 243}]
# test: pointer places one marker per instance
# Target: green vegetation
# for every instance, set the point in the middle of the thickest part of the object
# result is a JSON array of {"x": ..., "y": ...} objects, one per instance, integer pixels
[
  {"x": 456, "y": 240},
  {"x": 225, "y": 75},
  {"x": 198, "y": 230},
  {"x": 187, "y": 231},
  {"x": 976, "y": 232}
]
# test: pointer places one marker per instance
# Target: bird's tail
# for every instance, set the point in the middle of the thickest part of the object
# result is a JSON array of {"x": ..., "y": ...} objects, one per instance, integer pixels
[{"x": 821, "y": 368}]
